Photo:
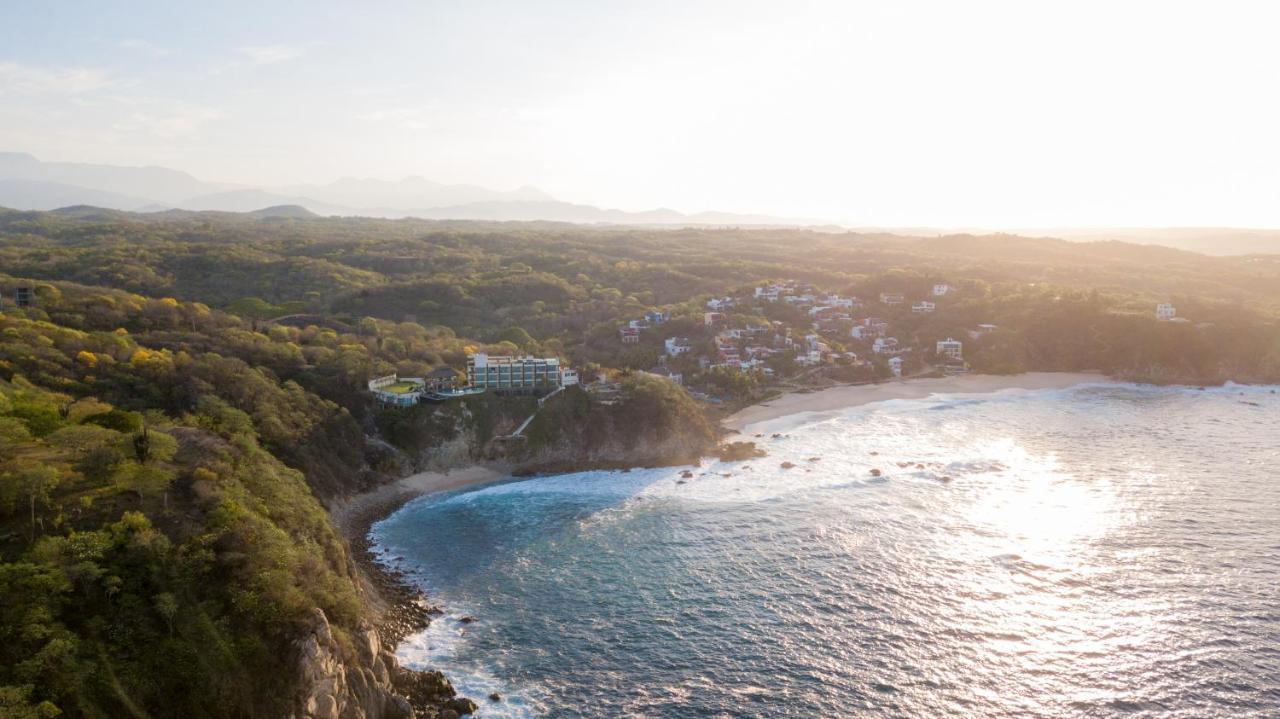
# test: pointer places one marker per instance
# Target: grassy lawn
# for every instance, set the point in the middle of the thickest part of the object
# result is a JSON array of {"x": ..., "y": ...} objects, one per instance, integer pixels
[{"x": 400, "y": 387}]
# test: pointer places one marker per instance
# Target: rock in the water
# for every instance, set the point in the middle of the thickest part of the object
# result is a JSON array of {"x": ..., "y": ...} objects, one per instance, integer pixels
[
  {"x": 495, "y": 697},
  {"x": 687, "y": 474},
  {"x": 787, "y": 465},
  {"x": 466, "y": 619},
  {"x": 462, "y": 705},
  {"x": 875, "y": 473},
  {"x": 448, "y": 714}
]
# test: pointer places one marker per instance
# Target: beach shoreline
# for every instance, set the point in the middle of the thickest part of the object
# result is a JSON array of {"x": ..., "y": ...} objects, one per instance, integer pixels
[
  {"x": 849, "y": 396},
  {"x": 398, "y": 607}
]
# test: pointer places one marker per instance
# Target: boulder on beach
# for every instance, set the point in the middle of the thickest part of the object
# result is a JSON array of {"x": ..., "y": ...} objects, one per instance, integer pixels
[
  {"x": 687, "y": 474},
  {"x": 815, "y": 459},
  {"x": 875, "y": 473},
  {"x": 787, "y": 465}
]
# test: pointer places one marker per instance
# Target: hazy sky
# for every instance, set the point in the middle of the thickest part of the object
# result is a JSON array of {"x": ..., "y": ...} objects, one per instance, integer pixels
[{"x": 995, "y": 114}]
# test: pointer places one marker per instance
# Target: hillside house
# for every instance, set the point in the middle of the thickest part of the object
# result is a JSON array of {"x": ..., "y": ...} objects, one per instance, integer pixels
[
  {"x": 678, "y": 345},
  {"x": 923, "y": 307},
  {"x": 892, "y": 298},
  {"x": 886, "y": 346},
  {"x": 950, "y": 349},
  {"x": 941, "y": 289},
  {"x": 1165, "y": 312}
]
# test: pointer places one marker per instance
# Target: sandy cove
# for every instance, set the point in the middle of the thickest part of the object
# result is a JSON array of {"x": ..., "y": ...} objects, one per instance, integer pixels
[
  {"x": 856, "y": 395},
  {"x": 354, "y": 515}
]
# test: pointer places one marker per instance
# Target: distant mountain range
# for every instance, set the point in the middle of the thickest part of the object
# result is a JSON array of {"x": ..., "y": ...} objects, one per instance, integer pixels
[{"x": 27, "y": 183}]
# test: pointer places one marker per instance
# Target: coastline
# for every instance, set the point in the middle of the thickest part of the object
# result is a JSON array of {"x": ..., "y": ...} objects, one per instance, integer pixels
[
  {"x": 398, "y": 607},
  {"x": 845, "y": 397}
]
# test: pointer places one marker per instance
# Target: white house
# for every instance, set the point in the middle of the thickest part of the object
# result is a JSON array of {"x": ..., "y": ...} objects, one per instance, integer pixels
[
  {"x": 950, "y": 348},
  {"x": 1165, "y": 312},
  {"x": 678, "y": 346},
  {"x": 891, "y": 298},
  {"x": 923, "y": 307},
  {"x": 568, "y": 377},
  {"x": 941, "y": 289},
  {"x": 720, "y": 303},
  {"x": 895, "y": 366},
  {"x": 886, "y": 346}
]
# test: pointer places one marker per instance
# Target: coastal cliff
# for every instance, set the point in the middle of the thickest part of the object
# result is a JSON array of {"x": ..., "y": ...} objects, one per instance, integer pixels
[{"x": 649, "y": 421}]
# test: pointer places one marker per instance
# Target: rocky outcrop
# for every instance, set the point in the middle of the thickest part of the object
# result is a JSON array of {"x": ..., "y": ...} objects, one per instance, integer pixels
[{"x": 339, "y": 683}]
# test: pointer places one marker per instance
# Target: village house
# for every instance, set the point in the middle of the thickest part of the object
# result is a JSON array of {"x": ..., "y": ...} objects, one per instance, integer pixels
[
  {"x": 895, "y": 366},
  {"x": 678, "y": 346},
  {"x": 983, "y": 329},
  {"x": 630, "y": 335},
  {"x": 923, "y": 307},
  {"x": 720, "y": 303},
  {"x": 886, "y": 346},
  {"x": 1166, "y": 312},
  {"x": 656, "y": 317},
  {"x": 891, "y": 298},
  {"x": 712, "y": 319},
  {"x": 950, "y": 349},
  {"x": 941, "y": 289}
]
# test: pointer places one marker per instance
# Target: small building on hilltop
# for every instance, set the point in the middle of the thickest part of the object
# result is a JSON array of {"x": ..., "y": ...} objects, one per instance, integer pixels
[{"x": 1166, "y": 312}]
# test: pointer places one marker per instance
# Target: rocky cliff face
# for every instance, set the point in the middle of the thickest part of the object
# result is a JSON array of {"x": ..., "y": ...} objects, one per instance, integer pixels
[{"x": 336, "y": 685}]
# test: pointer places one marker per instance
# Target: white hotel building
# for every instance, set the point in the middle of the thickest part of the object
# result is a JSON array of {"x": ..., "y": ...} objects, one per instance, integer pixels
[{"x": 517, "y": 374}]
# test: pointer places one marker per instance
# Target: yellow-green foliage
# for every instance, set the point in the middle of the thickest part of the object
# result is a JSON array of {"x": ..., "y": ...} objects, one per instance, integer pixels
[{"x": 158, "y": 571}]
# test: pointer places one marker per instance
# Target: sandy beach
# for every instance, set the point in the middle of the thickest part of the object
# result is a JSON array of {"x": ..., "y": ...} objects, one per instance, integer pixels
[
  {"x": 856, "y": 395},
  {"x": 353, "y": 515}
]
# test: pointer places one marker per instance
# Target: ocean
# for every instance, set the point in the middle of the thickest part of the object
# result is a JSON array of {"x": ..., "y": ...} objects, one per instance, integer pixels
[{"x": 1106, "y": 550}]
